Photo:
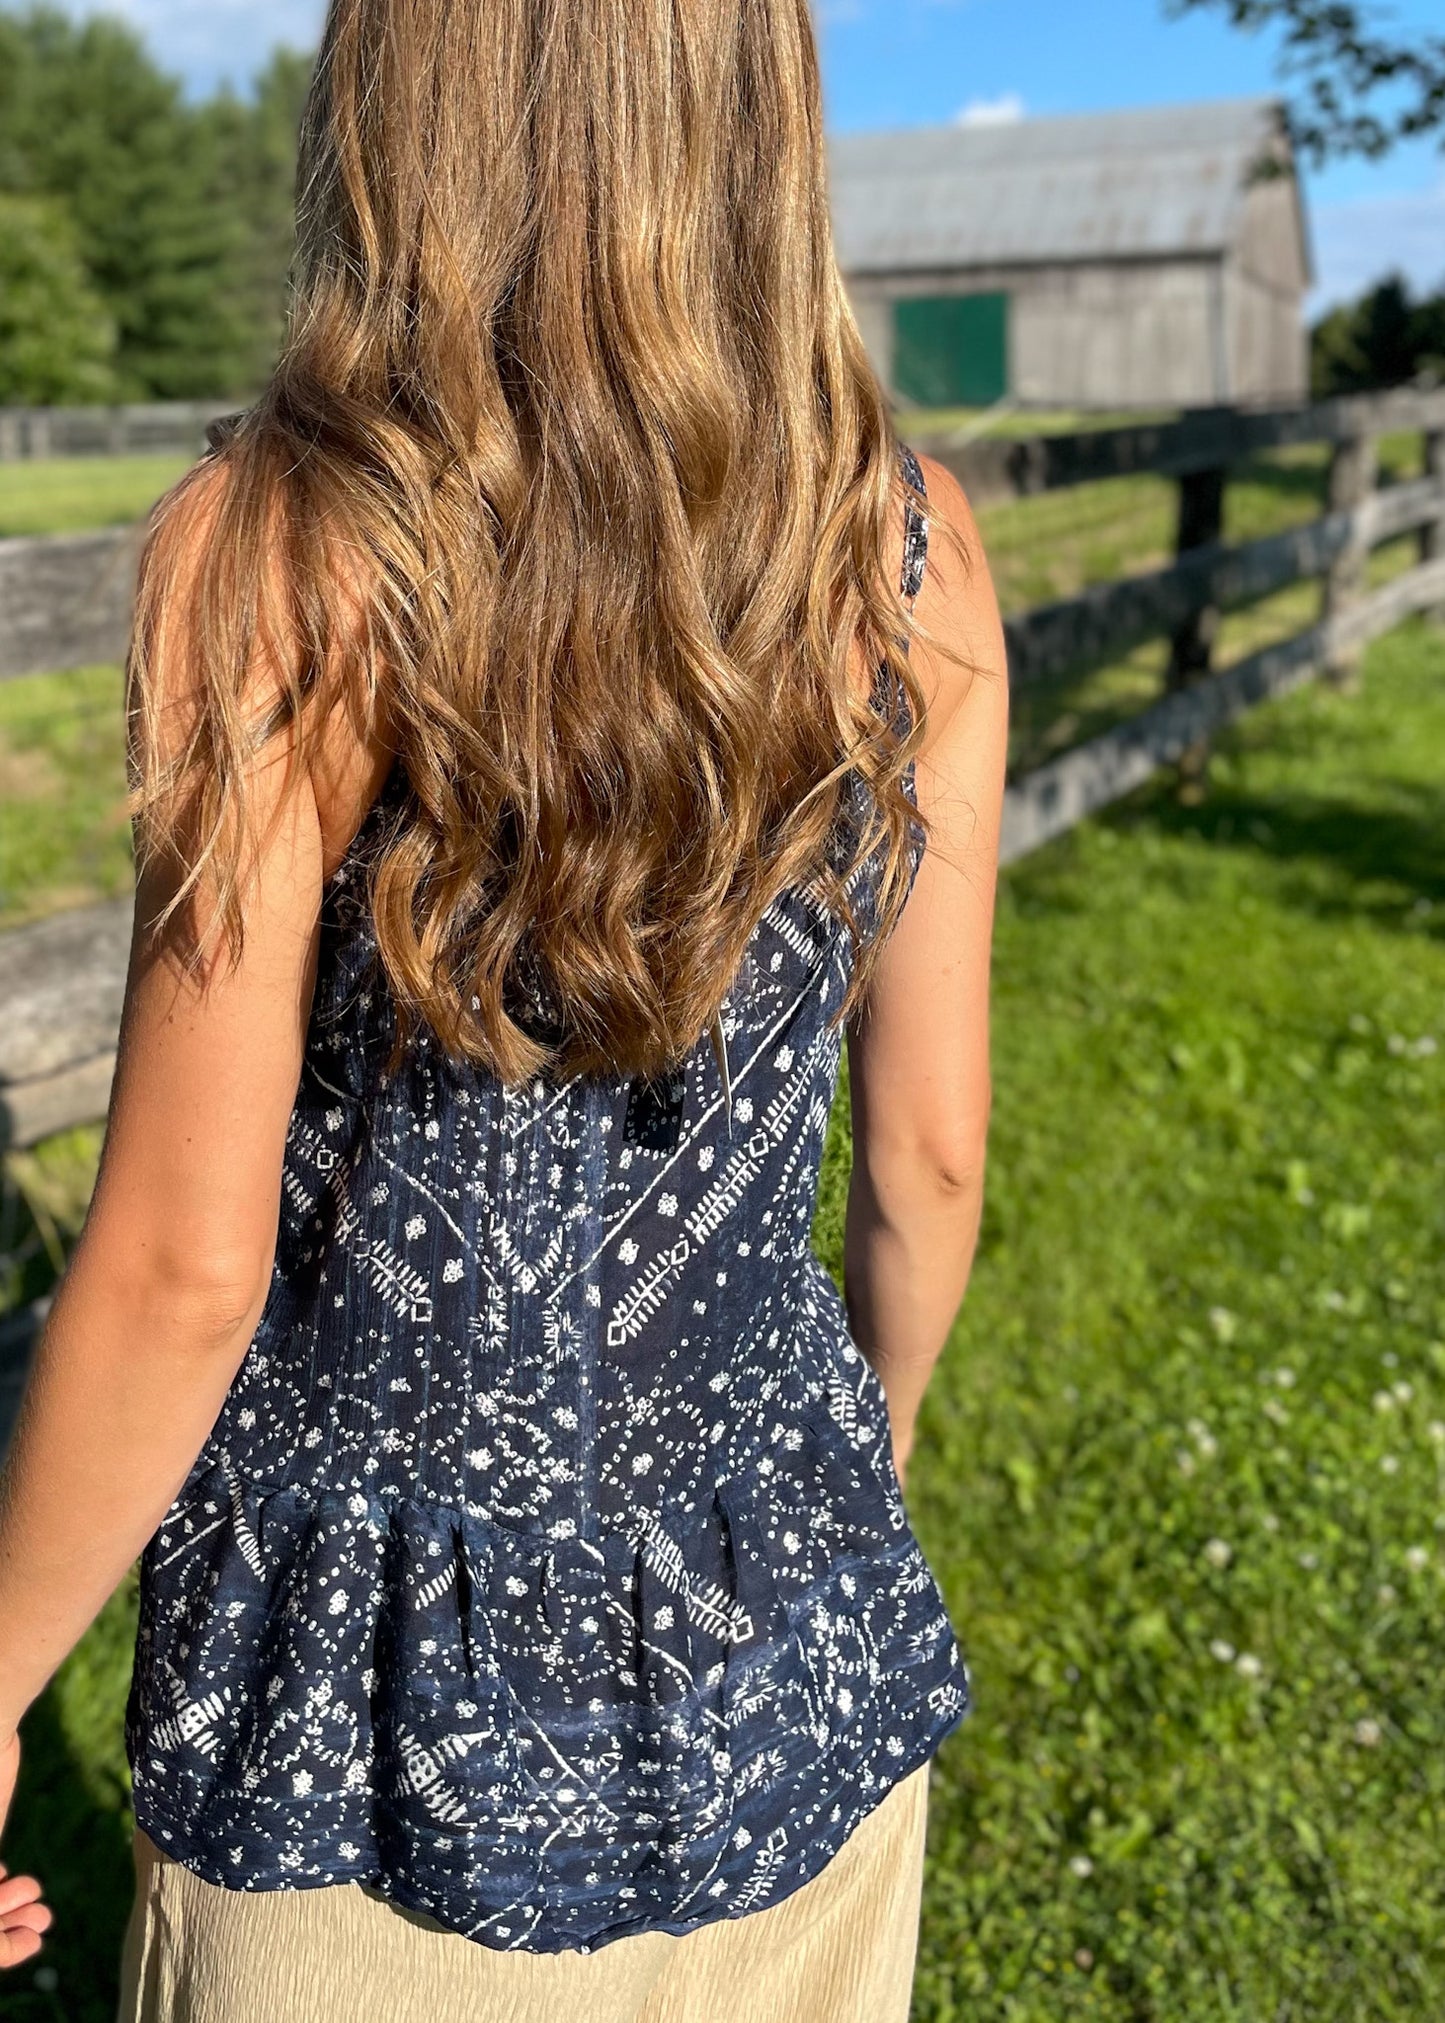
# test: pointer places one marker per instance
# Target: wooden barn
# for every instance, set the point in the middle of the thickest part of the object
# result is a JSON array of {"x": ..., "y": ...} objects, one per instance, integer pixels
[{"x": 1149, "y": 258}]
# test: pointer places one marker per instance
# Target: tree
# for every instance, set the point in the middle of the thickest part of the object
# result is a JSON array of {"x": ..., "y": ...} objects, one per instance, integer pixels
[
  {"x": 1364, "y": 88},
  {"x": 57, "y": 343},
  {"x": 256, "y": 139},
  {"x": 86, "y": 117},
  {"x": 1385, "y": 339}
]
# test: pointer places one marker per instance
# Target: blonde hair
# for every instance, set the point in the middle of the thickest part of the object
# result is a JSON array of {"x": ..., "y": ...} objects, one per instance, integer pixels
[{"x": 572, "y": 388}]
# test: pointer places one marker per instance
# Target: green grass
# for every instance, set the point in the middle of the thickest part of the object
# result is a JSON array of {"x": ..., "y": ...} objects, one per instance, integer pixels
[
  {"x": 70, "y": 495},
  {"x": 1209, "y": 1306},
  {"x": 64, "y": 837}
]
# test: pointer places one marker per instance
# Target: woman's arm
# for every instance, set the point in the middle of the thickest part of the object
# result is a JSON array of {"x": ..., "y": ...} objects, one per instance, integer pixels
[
  {"x": 167, "y": 1283},
  {"x": 919, "y": 1051}
]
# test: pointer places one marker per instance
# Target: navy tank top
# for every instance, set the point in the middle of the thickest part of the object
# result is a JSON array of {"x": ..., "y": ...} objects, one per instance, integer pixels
[{"x": 546, "y": 1569}]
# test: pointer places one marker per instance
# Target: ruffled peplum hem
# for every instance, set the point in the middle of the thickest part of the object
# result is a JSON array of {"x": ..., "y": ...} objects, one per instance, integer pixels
[{"x": 545, "y": 1742}]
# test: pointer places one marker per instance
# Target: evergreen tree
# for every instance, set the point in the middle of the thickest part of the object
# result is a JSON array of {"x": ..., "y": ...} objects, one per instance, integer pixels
[
  {"x": 256, "y": 139},
  {"x": 57, "y": 343},
  {"x": 87, "y": 117},
  {"x": 1385, "y": 339}
]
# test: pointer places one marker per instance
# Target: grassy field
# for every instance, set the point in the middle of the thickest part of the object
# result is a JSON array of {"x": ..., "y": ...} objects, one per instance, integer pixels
[
  {"x": 73, "y": 494},
  {"x": 1182, "y": 1473}
]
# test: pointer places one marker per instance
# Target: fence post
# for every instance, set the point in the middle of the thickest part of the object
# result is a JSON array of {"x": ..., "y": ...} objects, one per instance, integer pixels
[
  {"x": 38, "y": 433},
  {"x": 1354, "y": 470},
  {"x": 1191, "y": 649},
  {"x": 1432, "y": 534},
  {"x": 9, "y": 436}
]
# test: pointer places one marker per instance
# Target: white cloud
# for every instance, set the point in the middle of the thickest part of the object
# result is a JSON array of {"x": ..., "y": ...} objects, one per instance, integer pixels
[
  {"x": 1005, "y": 110},
  {"x": 1359, "y": 242}
]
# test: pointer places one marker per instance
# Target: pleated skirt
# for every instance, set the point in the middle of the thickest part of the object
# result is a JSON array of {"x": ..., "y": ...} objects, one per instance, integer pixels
[{"x": 840, "y": 1949}]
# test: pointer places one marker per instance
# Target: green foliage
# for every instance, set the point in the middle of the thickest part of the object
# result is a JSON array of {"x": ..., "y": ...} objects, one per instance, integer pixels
[
  {"x": 57, "y": 342},
  {"x": 256, "y": 142},
  {"x": 1366, "y": 86},
  {"x": 180, "y": 212},
  {"x": 1385, "y": 339}
]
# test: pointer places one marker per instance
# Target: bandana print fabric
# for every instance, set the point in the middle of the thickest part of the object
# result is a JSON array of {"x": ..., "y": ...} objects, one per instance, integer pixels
[{"x": 546, "y": 1569}]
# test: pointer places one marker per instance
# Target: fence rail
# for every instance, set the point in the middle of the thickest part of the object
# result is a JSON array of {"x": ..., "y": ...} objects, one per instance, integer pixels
[
  {"x": 157, "y": 428},
  {"x": 66, "y": 603}
]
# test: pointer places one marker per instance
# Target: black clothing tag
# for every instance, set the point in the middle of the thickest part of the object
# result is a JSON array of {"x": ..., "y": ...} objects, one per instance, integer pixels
[{"x": 654, "y": 1111}]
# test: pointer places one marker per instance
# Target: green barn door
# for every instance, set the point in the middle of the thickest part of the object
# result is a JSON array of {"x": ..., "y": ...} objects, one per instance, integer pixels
[{"x": 951, "y": 350}]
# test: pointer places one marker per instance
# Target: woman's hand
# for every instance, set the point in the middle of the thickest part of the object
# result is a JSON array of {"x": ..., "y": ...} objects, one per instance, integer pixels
[{"x": 23, "y": 1917}]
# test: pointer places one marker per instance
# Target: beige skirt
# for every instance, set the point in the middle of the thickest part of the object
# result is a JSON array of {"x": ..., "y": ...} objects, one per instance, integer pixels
[{"x": 839, "y": 1950}]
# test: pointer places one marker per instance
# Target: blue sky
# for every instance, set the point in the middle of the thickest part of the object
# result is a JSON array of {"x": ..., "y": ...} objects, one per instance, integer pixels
[{"x": 913, "y": 62}]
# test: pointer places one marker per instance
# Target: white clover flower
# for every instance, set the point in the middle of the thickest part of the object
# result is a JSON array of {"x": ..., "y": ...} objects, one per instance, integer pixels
[
  {"x": 1383, "y": 1401},
  {"x": 1219, "y": 1553},
  {"x": 1248, "y": 1666},
  {"x": 1386, "y": 1595},
  {"x": 1224, "y": 1323},
  {"x": 1270, "y": 1521},
  {"x": 1082, "y": 1867},
  {"x": 1223, "y": 1650},
  {"x": 1285, "y": 1378},
  {"x": 1369, "y": 1734},
  {"x": 1187, "y": 1462},
  {"x": 1403, "y": 1391},
  {"x": 1390, "y": 1464},
  {"x": 1309, "y": 1561},
  {"x": 1417, "y": 1558}
]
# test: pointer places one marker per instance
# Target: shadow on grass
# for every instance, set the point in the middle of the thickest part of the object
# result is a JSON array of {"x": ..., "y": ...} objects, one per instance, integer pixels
[
  {"x": 79, "y": 1845},
  {"x": 1390, "y": 858}
]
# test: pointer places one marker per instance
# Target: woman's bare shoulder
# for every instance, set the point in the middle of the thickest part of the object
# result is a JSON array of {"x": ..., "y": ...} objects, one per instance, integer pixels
[{"x": 961, "y": 636}]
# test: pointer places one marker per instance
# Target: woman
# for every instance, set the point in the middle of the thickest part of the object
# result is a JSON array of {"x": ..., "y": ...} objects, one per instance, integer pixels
[{"x": 533, "y": 783}]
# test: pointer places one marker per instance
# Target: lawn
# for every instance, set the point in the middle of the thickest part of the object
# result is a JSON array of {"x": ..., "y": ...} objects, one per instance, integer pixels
[{"x": 70, "y": 495}]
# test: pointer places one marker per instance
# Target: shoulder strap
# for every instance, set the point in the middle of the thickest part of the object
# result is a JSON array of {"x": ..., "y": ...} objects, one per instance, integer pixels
[{"x": 915, "y": 529}]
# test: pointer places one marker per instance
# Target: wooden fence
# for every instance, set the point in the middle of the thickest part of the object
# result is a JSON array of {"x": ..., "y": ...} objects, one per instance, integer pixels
[
  {"x": 160, "y": 428},
  {"x": 65, "y": 603}
]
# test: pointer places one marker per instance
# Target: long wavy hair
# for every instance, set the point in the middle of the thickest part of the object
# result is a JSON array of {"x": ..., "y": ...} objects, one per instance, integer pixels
[{"x": 572, "y": 391}]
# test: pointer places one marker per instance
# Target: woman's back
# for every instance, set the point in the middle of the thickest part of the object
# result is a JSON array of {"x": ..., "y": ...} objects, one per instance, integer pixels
[{"x": 547, "y": 1566}]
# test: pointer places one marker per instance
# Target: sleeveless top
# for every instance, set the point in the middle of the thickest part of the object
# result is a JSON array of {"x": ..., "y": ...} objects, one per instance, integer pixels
[{"x": 546, "y": 1569}]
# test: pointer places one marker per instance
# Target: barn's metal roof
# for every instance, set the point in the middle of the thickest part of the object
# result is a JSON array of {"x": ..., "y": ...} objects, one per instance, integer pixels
[{"x": 1125, "y": 185}]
